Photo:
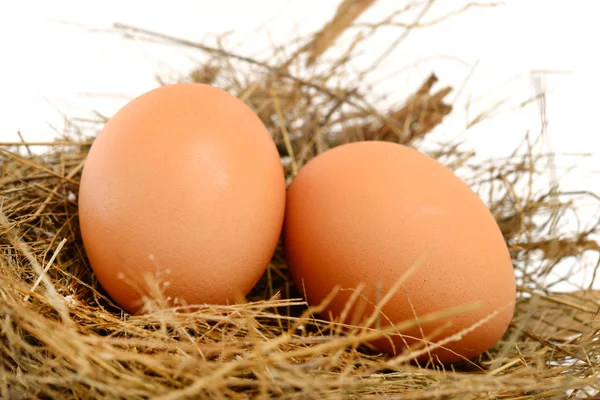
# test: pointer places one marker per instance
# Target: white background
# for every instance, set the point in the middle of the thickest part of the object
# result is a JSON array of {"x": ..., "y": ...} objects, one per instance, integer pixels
[{"x": 60, "y": 58}]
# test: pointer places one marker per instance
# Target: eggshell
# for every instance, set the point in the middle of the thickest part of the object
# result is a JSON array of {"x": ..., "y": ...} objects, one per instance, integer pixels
[
  {"x": 366, "y": 212},
  {"x": 183, "y": 186}
]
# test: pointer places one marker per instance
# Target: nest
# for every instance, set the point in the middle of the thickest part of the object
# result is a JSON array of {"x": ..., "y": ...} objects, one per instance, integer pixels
[{"x": 62, "y": 338}]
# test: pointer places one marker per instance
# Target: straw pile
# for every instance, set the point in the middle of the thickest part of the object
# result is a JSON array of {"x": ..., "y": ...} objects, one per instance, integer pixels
[{"x": 62, "y": 338}]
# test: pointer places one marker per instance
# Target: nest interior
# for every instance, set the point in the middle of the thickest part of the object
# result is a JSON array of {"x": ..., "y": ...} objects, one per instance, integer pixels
[{"x": 62, "y": 338}]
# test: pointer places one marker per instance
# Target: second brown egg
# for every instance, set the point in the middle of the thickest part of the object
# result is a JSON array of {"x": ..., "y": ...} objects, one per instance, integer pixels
[{"x": 365, "y": 213}]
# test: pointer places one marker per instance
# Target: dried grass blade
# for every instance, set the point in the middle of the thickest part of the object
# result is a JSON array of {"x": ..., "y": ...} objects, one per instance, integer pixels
[{"x": 348, "y": 11}]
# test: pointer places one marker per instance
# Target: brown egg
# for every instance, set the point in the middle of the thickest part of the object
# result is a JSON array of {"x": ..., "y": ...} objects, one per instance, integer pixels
[
  {"x": 366, "y": 213},
  {"x": 184, "y": 187}
]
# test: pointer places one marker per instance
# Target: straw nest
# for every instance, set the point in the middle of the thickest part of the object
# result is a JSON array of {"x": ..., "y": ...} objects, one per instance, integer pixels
[{"x": 62, "y": 338}]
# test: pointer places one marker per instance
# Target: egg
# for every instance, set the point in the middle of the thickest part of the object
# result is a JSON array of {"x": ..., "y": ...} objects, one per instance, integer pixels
[
  {"x": 366, "y": 215},
  {"x": 182, "y": 195}
]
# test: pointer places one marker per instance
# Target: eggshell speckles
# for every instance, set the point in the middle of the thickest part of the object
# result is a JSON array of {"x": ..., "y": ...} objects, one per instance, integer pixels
[
  {"x": 366, "y": 212},
  {"x": 183, "y": 184}
]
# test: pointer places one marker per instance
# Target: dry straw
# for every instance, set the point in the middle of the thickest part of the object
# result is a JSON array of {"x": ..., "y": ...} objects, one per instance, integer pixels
[{"x": 61, "y": 338}]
